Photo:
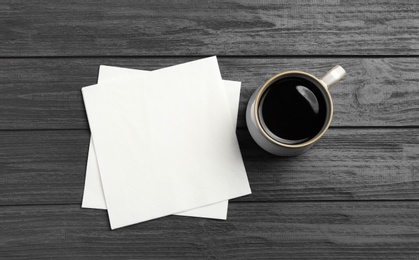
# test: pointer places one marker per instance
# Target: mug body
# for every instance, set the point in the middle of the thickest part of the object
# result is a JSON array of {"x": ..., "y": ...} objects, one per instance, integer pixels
[{"x": 264, "y": 138}]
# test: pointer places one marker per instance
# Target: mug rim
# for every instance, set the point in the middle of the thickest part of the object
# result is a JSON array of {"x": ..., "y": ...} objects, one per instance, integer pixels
[{"x": 257, "y": 103}]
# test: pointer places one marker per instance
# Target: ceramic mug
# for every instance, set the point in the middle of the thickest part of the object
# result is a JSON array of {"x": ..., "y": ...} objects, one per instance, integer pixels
[{"x": 261, "y": 133}]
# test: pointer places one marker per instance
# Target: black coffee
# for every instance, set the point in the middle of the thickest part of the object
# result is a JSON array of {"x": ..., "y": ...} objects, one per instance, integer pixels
[{"x": 293, "y": 110}]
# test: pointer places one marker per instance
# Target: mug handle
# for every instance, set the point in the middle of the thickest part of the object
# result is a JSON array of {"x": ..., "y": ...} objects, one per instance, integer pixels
[{"x": 333, "y": 76}]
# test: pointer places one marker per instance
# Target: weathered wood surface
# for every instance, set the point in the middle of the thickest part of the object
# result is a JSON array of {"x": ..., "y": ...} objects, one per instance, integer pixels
[
  {"x": 155, "y": 28},
  {"x": 48, "y": 167},
  {"x": 45, "y": 93},
  {"x": 316, "y": 230},
  {"x": 355, "y": 195}
]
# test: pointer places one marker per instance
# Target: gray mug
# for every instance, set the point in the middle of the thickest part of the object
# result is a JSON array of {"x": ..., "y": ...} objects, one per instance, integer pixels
[{"x": 264, "y": 137}]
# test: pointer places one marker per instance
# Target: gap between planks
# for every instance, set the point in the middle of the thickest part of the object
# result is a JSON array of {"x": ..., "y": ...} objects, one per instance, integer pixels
[
  {"x": 238, "y": 202},
  {"x": 331, "y": 127},
  {"x": 219, "y": 56}
]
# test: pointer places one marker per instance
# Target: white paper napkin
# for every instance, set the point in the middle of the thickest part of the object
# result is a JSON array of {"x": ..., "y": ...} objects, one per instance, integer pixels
[
  {"x": 93, "y": 194},
  {"x": 161, "y": 143}
]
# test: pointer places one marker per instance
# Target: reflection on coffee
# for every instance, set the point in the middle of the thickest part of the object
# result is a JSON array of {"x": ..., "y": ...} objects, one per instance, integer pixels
[{"x": 293, "y": 110}]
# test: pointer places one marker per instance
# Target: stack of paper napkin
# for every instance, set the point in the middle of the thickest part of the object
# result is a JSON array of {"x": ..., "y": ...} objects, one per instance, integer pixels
[{"x": 163, "y": 143}]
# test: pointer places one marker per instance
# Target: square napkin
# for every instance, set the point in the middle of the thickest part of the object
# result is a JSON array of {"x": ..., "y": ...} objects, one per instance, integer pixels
[
  {"x": 161, "y": 143},
  {"x": 93, "y": 194}
]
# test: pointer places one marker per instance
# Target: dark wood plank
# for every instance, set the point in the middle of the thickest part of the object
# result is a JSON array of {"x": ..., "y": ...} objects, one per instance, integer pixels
[
  {"x": 330, "y": 27},
  {"x": 45, "y": 93},
  {"x": 373, "y": 230},
  {"x": 48, "y": 167}
]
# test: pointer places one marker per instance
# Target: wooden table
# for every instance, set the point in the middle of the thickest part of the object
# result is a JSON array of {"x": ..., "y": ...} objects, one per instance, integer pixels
[{"x": 354, "y": 195}]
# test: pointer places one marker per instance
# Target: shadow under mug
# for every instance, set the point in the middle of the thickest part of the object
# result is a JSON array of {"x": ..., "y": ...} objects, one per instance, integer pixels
[{"x": 264, "y": 137}]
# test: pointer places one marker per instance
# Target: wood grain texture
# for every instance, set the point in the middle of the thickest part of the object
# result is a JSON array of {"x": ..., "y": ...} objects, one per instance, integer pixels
[
  {"x": 355, "y": 195},
  {"x": 154, "y": 28},
  {"x": 45, "y": 93},
  {"x": 48, "y": 167},
  {"x": 373, "y": 230}
]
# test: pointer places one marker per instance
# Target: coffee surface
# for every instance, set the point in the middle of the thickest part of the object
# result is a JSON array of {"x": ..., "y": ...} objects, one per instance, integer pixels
[{"x": 293, "y": 110}]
